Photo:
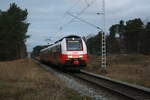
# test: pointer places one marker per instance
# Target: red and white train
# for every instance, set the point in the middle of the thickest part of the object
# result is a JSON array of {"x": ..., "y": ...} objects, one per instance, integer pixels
[{"x": 70, "y": 53}]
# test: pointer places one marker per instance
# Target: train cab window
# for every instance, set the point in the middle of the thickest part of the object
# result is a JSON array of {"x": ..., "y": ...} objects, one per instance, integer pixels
[{"x": 74, "y": 44}]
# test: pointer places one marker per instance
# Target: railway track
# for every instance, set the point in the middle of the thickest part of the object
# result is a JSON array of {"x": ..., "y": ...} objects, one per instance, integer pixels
[
  {"x": 133, "y": 92},
  {"x": 130, "y": 91}
]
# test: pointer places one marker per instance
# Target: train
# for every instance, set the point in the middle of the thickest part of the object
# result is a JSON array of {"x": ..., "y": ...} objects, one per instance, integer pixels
[{"x": 69, "y": 53}]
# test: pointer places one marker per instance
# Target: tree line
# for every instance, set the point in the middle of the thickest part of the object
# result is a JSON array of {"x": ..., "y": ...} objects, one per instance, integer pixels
[
  {"x": 13, "y": 28},
  {"x": 132, "y": 36},
  {"x": 37, "y": 49}
]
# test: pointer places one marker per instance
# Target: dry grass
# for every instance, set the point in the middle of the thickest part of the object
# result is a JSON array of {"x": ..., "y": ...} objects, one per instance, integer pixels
[
  {"x": 26, "y": 80},
  {"x": 130, "y": 68}
]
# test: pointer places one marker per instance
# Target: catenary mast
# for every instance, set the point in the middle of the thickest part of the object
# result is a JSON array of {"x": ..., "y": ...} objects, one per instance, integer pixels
[{"x": 103, "y": 49}]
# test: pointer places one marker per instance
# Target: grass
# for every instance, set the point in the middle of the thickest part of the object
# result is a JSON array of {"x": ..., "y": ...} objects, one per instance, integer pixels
[
  {"x": 26, "y": 80},
  {"x": 129, "y": 68}
]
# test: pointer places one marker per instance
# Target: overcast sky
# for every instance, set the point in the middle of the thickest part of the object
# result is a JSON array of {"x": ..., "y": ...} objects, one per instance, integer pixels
[{"x": 48, "y": 18}]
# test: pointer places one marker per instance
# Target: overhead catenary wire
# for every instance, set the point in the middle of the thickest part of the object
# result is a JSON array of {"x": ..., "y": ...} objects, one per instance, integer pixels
[
  {"x": 81, "y": 12},
  {"x": 86, "y": 2},
  {"x": 99, "y": 7},
  {"x": 72, "y": 7},
  {"x": 84, "y": 9},
  {"x": 82, "y": 20},
  {"x": 64, "y": 15}
]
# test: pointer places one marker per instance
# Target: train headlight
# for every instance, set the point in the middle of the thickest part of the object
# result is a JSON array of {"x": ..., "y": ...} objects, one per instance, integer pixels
[
  {"x": 80, "y": 56},
  {"x": 69, "y": 56}
]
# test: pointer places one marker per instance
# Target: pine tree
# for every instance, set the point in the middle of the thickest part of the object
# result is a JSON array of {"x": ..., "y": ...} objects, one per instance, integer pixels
[{"x": 13, "y": 28}]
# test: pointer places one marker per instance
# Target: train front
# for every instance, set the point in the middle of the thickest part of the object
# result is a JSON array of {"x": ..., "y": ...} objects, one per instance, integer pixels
[{"x": 74, "y": 52}]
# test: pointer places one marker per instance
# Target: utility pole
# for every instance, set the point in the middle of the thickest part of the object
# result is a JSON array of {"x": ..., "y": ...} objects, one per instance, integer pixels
[{"x": 103, "y": 49}]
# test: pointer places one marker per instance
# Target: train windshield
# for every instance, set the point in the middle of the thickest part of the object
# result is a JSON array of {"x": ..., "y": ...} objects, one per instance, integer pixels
[{"x": 74, "y": 45}]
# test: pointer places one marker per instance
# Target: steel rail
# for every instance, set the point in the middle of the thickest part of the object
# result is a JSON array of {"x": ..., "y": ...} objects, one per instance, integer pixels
[{"x": 131, "y": 91}]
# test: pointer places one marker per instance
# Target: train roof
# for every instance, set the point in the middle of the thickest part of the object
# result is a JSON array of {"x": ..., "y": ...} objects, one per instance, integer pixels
[
  {"x": 69, "y": 36},
  {"x": 72, "y": 36}
]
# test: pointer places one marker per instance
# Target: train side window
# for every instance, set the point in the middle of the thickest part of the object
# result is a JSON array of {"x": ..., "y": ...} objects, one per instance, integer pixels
[
  {"x": 49, "y": 50},
  {"x": 54, "y": 49},
  {"x": 59, "y": 48}
]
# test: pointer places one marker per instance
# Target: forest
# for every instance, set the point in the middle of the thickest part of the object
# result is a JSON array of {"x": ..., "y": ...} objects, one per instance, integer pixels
[
  {"x": 130, "y": 37},
  {"x": 13, "y": 29}
]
